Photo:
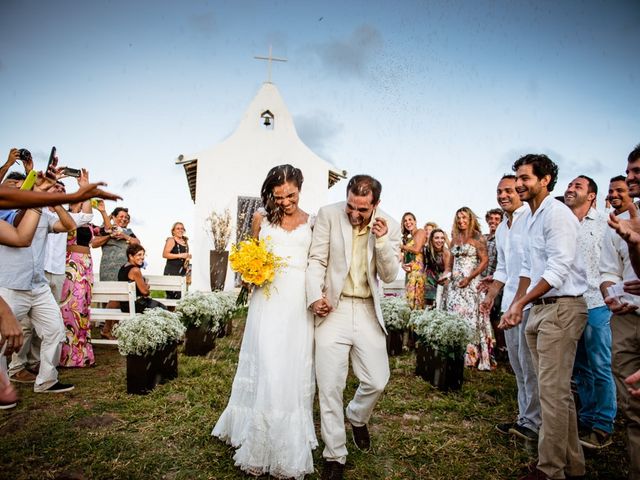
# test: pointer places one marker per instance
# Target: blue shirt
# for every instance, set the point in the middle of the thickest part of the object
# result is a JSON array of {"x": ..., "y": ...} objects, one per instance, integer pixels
[
  {"x": 8, "y": 215},
  {"x": 23, "y": 268}
]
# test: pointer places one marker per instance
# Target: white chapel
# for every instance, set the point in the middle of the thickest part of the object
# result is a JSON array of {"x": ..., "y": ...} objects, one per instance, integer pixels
[{"x": 230, "y": 175}]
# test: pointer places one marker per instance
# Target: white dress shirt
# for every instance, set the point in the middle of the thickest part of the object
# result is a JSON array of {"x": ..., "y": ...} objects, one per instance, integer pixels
[
  {"x": 592, "y": 229},
  {"x": 615, "y": 265},
  {"x": 510, "y": 243},
  {"x": 56, "y": 249},
  {"x": 552, "y": 250}
]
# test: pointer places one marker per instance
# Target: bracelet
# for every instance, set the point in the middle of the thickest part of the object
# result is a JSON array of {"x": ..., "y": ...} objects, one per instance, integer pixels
[{"x": 37, "y": 210}]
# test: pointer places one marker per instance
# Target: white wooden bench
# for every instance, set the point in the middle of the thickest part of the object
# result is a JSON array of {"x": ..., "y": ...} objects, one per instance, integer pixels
[
  {"x": 168, "y": 283},
  {"x": 104, "y": 292},
  {"x": 395, "y": 288}
]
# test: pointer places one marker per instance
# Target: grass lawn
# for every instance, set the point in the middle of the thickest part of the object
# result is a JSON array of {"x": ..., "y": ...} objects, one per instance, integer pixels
[{"x": 98, "y": 431}]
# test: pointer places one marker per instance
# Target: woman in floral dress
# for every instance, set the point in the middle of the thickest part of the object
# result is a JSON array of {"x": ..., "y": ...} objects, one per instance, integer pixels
[
  {"x": 413, "y": 240},
  {"x": 77, "y": 350},
  {"x": 468, "y": 259}
]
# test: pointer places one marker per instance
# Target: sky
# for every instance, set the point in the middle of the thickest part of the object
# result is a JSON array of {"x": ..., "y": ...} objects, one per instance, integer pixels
[{"x": 436, "y": 99}]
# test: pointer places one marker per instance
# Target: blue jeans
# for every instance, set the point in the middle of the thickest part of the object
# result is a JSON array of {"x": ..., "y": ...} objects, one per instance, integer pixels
[{"x": 592, "y": 373}]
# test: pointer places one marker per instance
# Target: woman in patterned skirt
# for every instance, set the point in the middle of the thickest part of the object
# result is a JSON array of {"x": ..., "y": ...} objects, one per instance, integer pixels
[{"x": 413, "y": 240}]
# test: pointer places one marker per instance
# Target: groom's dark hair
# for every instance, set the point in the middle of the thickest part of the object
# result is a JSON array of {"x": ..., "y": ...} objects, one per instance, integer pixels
[{"x": 362, "y": 185}]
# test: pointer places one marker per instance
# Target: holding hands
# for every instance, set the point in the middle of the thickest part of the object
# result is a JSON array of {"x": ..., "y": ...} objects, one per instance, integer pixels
[{"x": 321, "y": 308}]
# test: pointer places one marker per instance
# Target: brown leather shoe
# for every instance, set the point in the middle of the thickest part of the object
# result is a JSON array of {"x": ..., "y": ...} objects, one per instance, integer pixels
[
  {"x": 23, "y": 376},
  {"x": 361, "y": 437},
  {"x": 332, "y": 470}
]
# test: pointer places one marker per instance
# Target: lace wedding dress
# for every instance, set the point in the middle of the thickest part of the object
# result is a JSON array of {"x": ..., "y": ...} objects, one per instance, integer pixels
[{"x": 269, "y": 418}]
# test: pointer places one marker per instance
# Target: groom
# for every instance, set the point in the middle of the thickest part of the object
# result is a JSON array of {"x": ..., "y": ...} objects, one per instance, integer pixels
[{"x": 353, "y": 244}]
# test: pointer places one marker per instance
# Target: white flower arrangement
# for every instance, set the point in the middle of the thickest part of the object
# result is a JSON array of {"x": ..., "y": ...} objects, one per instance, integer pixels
[
  {"x": 395, "y": 312},
  {"x": 148, "y": 331},
  {"x": 209, "y": 309},
  {"x": 446, "y": 332},
  {"x": 219, "y": 228}
]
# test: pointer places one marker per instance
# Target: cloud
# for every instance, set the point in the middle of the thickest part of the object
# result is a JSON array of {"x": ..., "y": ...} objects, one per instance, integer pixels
[
  {"x": 203, "y": 22},
  {"x": 318, "y": 131},
  {"x": 350, "y": 56}
]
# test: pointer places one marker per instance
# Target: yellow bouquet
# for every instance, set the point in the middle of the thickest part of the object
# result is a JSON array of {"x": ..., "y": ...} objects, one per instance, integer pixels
[{"x": 256, "y": 264}]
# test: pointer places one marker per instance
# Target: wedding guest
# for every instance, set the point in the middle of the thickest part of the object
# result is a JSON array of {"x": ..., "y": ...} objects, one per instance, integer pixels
[
  {"x": 468, "y": 259},
  {"x": 176, "y": 251},
  {"x": 618, "y": 196},
  {"x": 436, "y": 257},
  {"x": 413, "y": 240},
  {"x": 77, "y": 350},
  {"x": 552, "y": 278},
  {"x": 131, "y": 272},
  {"x": 24, "y": 287},
  {"x": 592, "y": 368},
  {"x": 114, "y": 239},
  {"x": 493, "y": 218},
  {"x": 617, "y": 262},
  {"x": 428, "y": 228},
  {"x": 510, "y": 243}
]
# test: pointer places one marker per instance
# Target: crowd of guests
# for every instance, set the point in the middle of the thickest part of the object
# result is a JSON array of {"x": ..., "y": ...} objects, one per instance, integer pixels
[
  {"x": 47, "y": 275},
  {"x": 558, "y": 279},
  {"x": 555, "y": 280}
]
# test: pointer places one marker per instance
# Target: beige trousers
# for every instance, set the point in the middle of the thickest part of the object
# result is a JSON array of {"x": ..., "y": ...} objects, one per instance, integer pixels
[
  {"x": 552, "y": 334},
  {"x": 625, "y": 360},
  {"x": 351, "y": 331}
]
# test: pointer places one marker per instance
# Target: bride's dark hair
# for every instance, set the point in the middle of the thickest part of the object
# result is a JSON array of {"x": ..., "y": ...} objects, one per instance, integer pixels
[{"x": 278, "y": 176}]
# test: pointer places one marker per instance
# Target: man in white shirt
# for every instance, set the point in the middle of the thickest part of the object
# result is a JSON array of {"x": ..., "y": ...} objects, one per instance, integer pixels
[
  {"x": 616, "y": 268},
  {"x": 552, "y": 279},
  {"x": 510, "y": 241},
  {"x": 592, "y": 369},
  {"x": 618, "y": 196}
]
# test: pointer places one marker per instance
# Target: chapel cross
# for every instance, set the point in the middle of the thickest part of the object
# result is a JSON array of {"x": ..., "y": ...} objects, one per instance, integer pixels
[{"x": 270, "y": 59}]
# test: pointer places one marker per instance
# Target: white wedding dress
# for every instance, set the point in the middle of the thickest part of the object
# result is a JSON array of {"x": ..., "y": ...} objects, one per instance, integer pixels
[{"x": 269, "y": 418}]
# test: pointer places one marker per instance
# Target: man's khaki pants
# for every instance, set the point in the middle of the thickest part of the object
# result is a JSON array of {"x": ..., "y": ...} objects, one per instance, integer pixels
[
  {"x": 350, "y": 331},
  {"x": 625, "y": 360},
  {"x": 552, "y": 334}
]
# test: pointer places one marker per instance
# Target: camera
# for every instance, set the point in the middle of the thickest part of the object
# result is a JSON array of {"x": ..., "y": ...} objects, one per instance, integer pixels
[{"x": 24, "y": 154}]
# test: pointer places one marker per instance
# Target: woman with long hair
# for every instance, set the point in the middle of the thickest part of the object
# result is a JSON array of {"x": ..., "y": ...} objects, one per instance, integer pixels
[
  {"x": 176, "y": 251},
  {"x": 131, "y": 272},
  {"x": 413, "y": 240},
  {"x": 436, "y": 257},
  {"x": 75, "y": 306},
  {"x": 467, "y": 261},
  {"x": 269, "y": 417}
]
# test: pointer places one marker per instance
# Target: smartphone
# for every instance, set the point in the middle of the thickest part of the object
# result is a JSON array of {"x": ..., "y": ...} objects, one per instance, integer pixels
[
  {"x": 71, "y": 172},
  {"x": 53, "y": 162},
  {"x": 30, "y": 181}
]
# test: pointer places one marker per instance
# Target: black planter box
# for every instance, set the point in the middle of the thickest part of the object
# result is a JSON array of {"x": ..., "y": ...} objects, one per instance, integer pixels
[
  {"x": 142, "y": 376},
  {"x": 199, "y": 341},
  {"x": 394, "y": 342},
  {"x": 442, "y": 372},
  {"x": 166, "y": 362}
]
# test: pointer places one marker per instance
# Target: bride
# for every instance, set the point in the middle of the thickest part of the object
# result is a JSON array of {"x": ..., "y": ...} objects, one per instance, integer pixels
[{"x": 269, "y": 418}]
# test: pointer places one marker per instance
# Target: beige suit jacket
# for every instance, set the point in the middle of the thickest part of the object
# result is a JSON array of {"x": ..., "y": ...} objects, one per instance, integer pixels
[{"x": 330, "y": 257}]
